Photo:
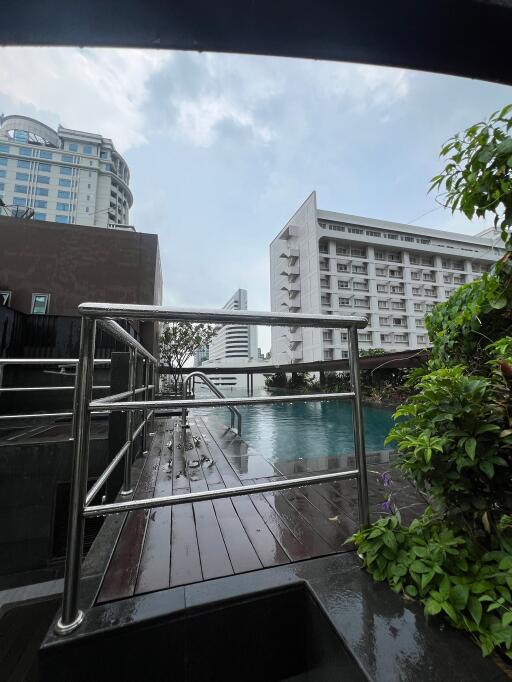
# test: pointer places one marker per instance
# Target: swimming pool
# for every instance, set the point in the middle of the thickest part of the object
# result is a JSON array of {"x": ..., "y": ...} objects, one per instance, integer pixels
[{"x": 309, "y": 429}]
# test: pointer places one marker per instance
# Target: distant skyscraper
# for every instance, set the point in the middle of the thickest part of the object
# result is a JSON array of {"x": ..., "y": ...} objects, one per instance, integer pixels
[
  {"x": 234, "y": 340},
  {"x": 65, "y": 176},
  {"x": 200, "y": 356}
]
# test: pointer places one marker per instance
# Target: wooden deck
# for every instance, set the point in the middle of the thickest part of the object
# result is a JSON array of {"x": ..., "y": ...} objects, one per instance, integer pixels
[{"x": 168, "y": 547}]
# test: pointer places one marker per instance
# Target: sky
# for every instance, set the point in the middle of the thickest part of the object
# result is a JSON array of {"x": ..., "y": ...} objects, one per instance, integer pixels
[{"x": 223, "y": 149}]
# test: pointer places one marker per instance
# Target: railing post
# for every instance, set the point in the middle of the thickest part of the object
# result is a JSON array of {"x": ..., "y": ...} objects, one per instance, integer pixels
[
  {"x": 128, "y": 458},
  {"x": 145, "y": 412},
  {"x": 71, "y": 615},
  {"x": 358, "y": 427},
  {"x": 184, "y": 415}
]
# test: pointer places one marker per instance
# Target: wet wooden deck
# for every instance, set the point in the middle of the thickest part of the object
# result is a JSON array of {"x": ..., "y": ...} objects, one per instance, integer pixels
[{"x": 168, "y": 547}]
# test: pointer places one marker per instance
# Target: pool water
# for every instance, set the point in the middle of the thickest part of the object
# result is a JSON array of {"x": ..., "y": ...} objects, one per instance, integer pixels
[{"x": 309, "y": 429}]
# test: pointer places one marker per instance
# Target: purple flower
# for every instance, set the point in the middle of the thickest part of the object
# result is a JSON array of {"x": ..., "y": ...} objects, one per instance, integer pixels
[
  {"x": 387, "y": 507},
  {"x": 385, "y": 479}
]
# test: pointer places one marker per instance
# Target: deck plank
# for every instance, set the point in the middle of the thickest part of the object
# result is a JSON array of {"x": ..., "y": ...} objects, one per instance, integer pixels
[
  {"x": 121, "y": 574},
  {"x": 185, "y": 558},
  {"x": 155, "y": 562},
  {"x": 215, "y": 561}
]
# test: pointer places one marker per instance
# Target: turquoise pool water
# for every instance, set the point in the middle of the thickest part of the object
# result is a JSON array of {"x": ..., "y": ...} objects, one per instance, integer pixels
[{"x": 309, "y": 429}]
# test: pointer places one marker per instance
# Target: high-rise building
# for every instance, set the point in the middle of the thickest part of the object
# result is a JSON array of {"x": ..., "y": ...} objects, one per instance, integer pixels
[
  {"x": 234, "y": 341},
  {"x": 65, "y": 176},
  {"x": 235, "y": 345},
  {"x": 394, "y": 274},
  {"x": 200, "y": 355}
]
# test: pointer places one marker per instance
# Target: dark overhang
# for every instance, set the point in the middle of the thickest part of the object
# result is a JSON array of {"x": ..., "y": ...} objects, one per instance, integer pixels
[
  {"x": 405, "y": 358},
  {"x": 461, "y": 37}
]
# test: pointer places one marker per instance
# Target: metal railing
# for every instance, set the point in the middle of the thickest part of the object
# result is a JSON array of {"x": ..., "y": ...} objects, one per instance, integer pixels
[
  {"x": 81, "y": 506},
  {"x": 60, "y": 362},
  {"x": 234, "y": 411}
]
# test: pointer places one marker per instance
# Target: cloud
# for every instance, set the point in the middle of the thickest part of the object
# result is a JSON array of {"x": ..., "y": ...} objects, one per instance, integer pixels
[{"x": 97, "y": 90}]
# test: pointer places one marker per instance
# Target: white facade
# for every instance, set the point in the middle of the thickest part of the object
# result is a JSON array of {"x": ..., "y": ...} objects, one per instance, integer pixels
[
  {"x": 333, "y": 263},
  {"x": 65, "y": 176},
  {"x": 234, "y": 341},
  {"x": 235, "y": 346}
]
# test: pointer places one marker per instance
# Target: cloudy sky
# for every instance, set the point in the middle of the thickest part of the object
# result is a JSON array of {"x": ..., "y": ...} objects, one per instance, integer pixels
[{"x": 223, "y": 148}]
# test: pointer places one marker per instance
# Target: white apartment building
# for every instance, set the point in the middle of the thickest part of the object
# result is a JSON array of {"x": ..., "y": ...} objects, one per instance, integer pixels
[
  {"x": 394, "y": 274},
  {"x": 235, "y": 346},
  {"x": 65, "y": 176}
]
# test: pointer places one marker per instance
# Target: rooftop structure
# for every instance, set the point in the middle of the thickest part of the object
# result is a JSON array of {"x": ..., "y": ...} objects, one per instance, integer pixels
[
  {"x": 394, "y": 274},
  {"x": 64, "y": 176}
]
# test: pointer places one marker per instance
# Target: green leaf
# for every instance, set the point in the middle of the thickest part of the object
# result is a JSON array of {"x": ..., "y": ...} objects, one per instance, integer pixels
[
  {"x": 470, "y": 447},
  {"x": 507, "y": 618},
  {"x": 411, "y": 590},
  {"x": 449, "y": 610},
  {"x": 475, "y": 609},
  {"x": 488, "y": 468},
  {"x": 459, "y": 595},
  {"x": 432, "y": 607},
  {"x": 389, "y": 540},
  {"x": 419, "y": 567},
  {"x": 499, "y": 303}
]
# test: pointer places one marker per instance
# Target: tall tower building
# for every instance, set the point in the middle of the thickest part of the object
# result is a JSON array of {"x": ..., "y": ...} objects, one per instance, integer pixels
[
  {"x": 234, "y": 341},
  {"x": 65, "y": 176},
  {"x": 394, "y": 274}
]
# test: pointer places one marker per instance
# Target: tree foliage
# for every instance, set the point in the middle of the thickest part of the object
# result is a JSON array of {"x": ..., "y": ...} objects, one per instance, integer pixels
[
  {"x": 454, "y": 434},
  {"x": 178, "y": 342},
  {"x": 477, "y": 177}
]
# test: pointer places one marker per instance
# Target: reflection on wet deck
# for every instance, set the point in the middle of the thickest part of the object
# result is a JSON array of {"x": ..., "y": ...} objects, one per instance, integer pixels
[{"x": 166, "y": 547}]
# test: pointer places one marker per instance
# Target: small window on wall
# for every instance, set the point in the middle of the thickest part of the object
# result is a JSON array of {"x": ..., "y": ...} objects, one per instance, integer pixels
[
  {"x": 5, "y": 298},
  {"x": 40, "y": 304}
]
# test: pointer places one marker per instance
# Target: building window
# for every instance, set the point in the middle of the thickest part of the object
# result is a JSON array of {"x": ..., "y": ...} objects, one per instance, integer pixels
[
  {"x": 419, "y": 323},
  {"x": 103, "y": 155},
  {"x": 383, "y": 305},
  {"x": 22, "y": 176},
  {"x": 344, "y": 301},
  {"x": 21, "y": 163},
  {"x": 43, "y": 179},
  {"x": 62, "y": 207},
  {"x": 19, "y": 201},
  {"x": 355, "y": 230},
  {"x": 39, "y": 216},
  {"x": 43, "y": 154},
  {"x": 25, "y": 152},
  {"x": 372, "y": 233},
  {"x": 61, "y": 219},
  {"x": 40, "y": 304},
  {"x": 42, "y": 191},
  {"x": 328, "y": 354},
  {"x": 2, "y": 174},
  {"x": 40, "y": 204},
  {"x": 67, "y": 157},
  {"x": 73, "y": 147},
  {"x": 2, "y": 186},
  {"x": 44, "y": 168},
  {"x": 64, "y": 183},
  {"x": 65, "y": 170},
  {"x": 3, "y": 161},
  {"x": 21, "y": 189},
  {"x": 5, "y": 298},
  {"x": 87, "y": 149},
  {"x": 417, "y": 307},
  {"x": 358, "y": 253},
  {"x": 342, "y": 284},
  {"x": 63, "y": 194},
  {"x": 4, "y": 148}
]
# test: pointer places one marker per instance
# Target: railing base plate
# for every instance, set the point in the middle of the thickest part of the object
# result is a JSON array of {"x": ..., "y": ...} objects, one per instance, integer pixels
[
  {"x": 66, "y": 628},
  {"x": 124, "y": 493}
]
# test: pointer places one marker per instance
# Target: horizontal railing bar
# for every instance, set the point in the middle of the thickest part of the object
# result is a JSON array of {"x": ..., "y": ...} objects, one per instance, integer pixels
[
  {"x": 218, "y": 402},
  {"x": 105, "y": 475},
  {"x": 163, "y": 313},
  {"x": 124, "y": 394},
  {"x": 122, "y": 335},
  {"x": 48, "y": 361},
  {"x": 187, "y": 498},
  {"x": 36, "y": 415},
  {"x": 26, "y": 389}
]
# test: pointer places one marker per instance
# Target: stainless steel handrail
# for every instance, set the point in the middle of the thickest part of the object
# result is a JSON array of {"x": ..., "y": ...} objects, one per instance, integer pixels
[
  {"x": 234, "y": 411},
  {"x": 93, "y": 313},
  {"x": 49, "y": 361}
]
